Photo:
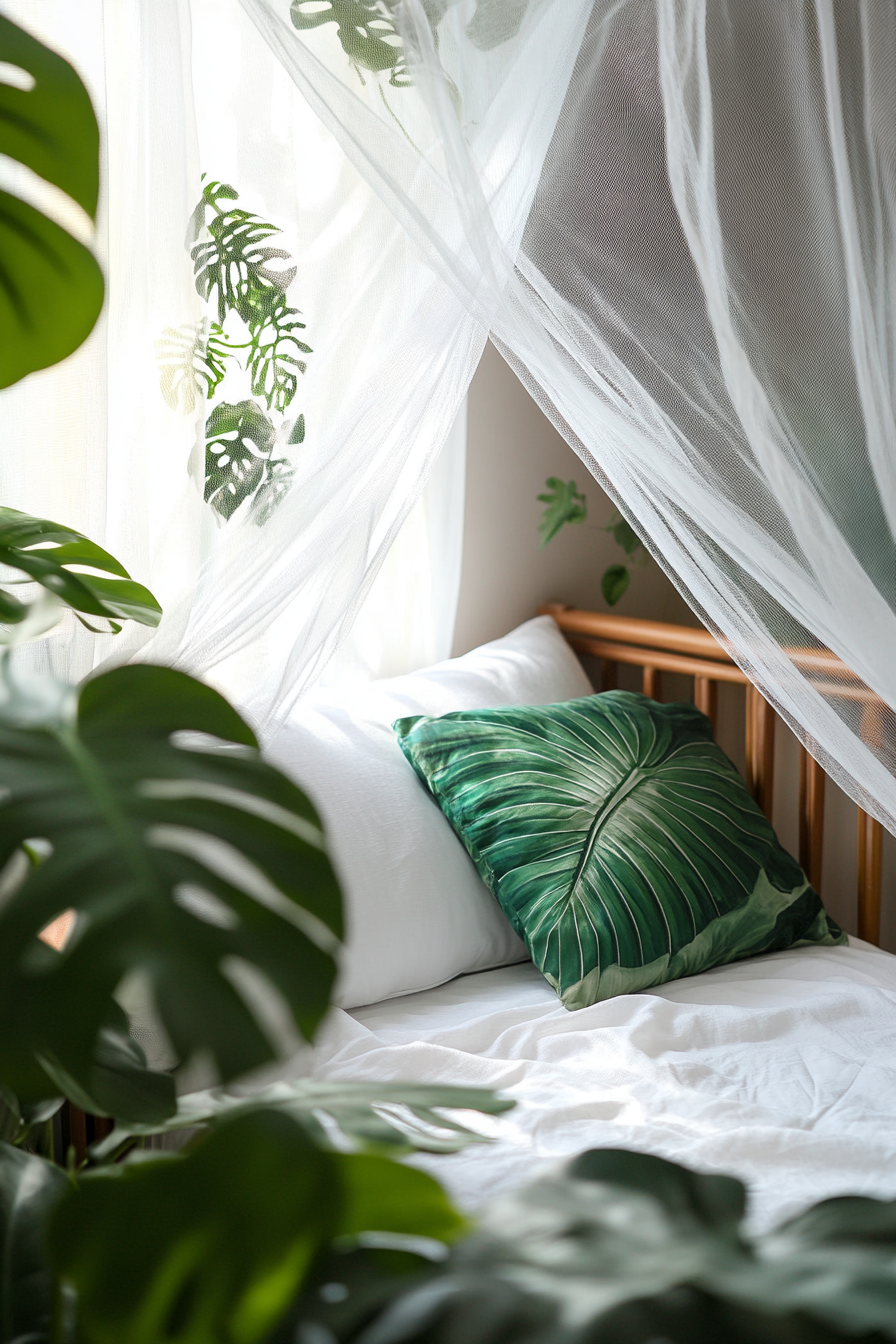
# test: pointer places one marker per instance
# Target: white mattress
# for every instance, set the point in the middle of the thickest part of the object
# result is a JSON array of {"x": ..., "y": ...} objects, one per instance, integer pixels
[{"x": 780, "y": 1070}]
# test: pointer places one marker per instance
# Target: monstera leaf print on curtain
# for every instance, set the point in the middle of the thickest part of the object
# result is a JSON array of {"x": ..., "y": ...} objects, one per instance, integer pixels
[{"x": 619, "y": 839}]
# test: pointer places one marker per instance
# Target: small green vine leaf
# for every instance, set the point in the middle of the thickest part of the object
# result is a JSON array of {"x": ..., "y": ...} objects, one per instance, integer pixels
[
  {"x": 565, "y": 504},
  {"x": 624, "y": 534},
  {"x": 614, "y": 582}
]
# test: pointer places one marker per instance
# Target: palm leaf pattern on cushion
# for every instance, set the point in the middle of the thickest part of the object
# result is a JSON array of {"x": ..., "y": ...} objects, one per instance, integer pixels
[{"x": 619, "y": 839}]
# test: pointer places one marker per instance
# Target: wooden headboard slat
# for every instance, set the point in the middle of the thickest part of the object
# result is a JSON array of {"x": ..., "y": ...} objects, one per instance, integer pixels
[
  {"x": 812, "y": 782},
  {"x": 870, "y": 836},
  {"x": 652, "y": 682},
  {"x": 760, "y": 749},
  {"x": 657, "y": 647},
  {"x": 640, "y": 656},
  {"x": 630, "y": 629},
  {"x": 706, "y": 698}
]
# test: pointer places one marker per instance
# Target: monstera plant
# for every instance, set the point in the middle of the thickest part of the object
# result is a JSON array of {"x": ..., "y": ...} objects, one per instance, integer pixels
[
  {"x": 137, "y": 813},
  {"x": 251, "y": 330},
  {"x": 625, "y": 1248}
]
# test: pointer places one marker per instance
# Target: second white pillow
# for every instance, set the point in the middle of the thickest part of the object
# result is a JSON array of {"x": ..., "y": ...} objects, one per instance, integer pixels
[{"x": 417, "y": 911}]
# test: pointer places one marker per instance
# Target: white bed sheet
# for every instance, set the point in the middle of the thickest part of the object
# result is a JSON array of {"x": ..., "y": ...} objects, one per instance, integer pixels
[{"x": 779, "y": 1069}]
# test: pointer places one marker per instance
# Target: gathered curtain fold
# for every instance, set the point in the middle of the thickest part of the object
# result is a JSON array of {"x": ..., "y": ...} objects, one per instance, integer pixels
[{"x": 678, "y": 222}]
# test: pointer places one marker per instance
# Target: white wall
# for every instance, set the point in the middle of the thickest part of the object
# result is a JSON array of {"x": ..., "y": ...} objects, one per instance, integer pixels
[{"x": 511, "y": 449}]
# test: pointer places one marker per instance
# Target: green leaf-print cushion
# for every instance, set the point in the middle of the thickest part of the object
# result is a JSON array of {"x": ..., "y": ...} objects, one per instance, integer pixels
[{"x": 619, "y": 839}]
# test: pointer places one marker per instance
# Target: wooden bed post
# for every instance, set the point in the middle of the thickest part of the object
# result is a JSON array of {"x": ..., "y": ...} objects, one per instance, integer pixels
[
  {"x": 870, "y": 835},
  {"x": 812, "y": 781},
  {"x": 652, "y": 682},
  {"x": 609, "y": 674},
  {"x": 706, "y": 698}
]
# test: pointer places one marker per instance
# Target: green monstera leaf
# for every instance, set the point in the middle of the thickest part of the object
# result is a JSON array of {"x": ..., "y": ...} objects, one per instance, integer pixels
[
  {"x": 366, "y": 28},
  {"x": 232, "y": 267},
  {"x": 614, "y": 583},
  {"x": 51, "y": 288},
  {"x": 231, "y": 259},
  {"x": 57, "y": 558},
  {"x": 199, "y": 867},
  {"x": 233, "y": 271},
  {"x": 274, "y": 348},
  {"x": 391, "y": 1117},
  {"x": 29, "y": 1189},
  {"x": 627, "y": 1248},
  {"x": 620, "y": 841},
  {"x": 192, "y": 362},
  {"x": 239, "y": 438},
  {"x": 369, "y": 35},
  {"x": 215, "y": 1245}
]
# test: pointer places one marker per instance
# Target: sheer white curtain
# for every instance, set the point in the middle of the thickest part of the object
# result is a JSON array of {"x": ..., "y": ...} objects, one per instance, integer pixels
[
  {"x": 255, "y": 604},
  {"x": 678, "y": 220}
]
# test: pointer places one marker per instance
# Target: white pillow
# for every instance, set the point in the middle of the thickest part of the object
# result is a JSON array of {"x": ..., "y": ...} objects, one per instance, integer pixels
[{"x": 417, "y": 911}]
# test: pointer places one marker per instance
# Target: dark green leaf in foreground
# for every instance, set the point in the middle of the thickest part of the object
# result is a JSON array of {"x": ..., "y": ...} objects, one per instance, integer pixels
[
  {"x": 565, "y": 504},
  {"x": 204, "y": 869},
  {"x": 216, "y": 1245},
  {"x": 614, "y": 583},
  {"x": 51, "y": 288},
  {"x": 56, "y": 558},
  {"x": 29, "y": 1189},
  {"x": 626, "y": 1248},
  {"x": 393, "y": 1117}
]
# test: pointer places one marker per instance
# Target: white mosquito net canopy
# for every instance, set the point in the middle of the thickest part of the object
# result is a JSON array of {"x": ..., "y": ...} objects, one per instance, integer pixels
[{"x": 677, "y": 219}]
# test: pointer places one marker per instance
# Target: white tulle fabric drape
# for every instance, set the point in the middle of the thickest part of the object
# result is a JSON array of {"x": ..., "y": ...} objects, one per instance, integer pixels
[
  {"x": 678, "y": 220},
  {"x": 184, "y": 87}
]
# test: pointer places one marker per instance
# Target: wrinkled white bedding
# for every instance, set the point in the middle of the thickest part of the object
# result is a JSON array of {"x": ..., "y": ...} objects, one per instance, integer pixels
[{"x": 780, "y": 1069}]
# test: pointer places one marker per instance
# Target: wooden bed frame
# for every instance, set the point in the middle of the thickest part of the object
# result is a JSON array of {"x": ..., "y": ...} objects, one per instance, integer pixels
[{"x": 656, "y": 648}]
